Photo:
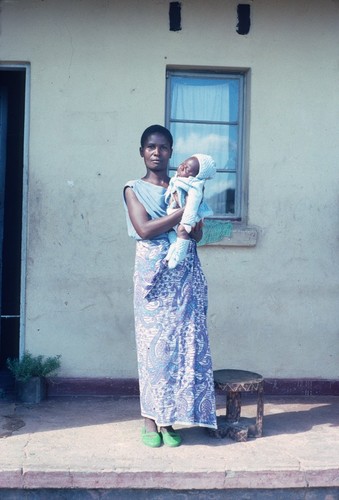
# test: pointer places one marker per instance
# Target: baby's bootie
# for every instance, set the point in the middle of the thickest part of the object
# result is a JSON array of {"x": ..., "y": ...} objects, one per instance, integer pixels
[{"x": 177, "y": 253}]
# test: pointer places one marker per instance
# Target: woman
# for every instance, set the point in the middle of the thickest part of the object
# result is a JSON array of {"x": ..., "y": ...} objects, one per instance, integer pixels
[{"x": 170, "y": 306}]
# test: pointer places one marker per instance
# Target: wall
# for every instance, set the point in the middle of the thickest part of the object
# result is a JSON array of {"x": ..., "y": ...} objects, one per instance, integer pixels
[{"x": 97, "y": 80}]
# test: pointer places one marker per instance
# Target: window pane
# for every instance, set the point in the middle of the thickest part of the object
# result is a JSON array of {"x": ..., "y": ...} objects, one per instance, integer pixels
[
  {"x": 219, "y": 141},
  {"x": 204, "y": 112},
  {"x": 204, "y": 99},
  {"x": 220, "y": 193}
]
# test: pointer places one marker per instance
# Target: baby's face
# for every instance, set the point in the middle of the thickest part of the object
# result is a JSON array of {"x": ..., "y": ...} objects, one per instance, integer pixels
[{"x": 188, "y": 168}]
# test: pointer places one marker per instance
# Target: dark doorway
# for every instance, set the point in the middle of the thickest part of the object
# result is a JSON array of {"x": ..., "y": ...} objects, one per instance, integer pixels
[{"x": 12, "y": 92}]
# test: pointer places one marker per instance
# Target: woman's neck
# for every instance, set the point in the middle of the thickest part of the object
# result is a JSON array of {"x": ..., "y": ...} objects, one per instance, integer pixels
[{"x": 157, "y": 178}]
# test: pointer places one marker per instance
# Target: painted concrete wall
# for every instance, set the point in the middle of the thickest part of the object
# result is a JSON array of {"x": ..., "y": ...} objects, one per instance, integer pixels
[{"x": 97, "y": 80}]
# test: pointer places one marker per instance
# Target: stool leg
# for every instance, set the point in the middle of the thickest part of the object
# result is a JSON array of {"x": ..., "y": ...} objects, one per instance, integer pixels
[
  {"x": 233, "y": 406},
  {"x": 260, "y": 411}
]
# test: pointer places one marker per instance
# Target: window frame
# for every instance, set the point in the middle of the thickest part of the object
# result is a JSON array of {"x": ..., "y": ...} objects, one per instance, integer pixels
[{"x": 241, "y": 171}]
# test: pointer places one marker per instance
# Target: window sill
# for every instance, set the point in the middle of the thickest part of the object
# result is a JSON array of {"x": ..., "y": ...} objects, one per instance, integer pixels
[{"x": 242, "y": 236}]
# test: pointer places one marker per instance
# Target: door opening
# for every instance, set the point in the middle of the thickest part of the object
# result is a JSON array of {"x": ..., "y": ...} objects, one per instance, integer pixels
[{"x": 12, "y": 102}]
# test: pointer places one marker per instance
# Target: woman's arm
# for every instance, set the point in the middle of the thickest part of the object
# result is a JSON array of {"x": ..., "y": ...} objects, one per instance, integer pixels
[
  {"x": 145, "y": 227},
  {"x": 196, "y": 231}
]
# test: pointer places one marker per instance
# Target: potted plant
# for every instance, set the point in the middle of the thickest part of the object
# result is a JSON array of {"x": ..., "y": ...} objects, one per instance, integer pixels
[{"x": 30, "y": 373}]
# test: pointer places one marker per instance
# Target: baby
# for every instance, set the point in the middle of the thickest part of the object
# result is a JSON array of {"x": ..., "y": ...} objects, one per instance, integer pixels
[{"x": 186, "y": 189}]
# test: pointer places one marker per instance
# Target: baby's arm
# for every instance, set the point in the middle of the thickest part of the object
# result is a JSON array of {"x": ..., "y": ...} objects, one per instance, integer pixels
[{"x": 193, "y": 200}]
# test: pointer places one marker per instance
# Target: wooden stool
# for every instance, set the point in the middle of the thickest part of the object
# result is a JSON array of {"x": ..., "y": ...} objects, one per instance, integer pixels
[{"x": 234, "y": 382}]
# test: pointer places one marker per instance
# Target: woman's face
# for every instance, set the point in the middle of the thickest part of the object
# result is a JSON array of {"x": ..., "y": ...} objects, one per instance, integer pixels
[{"x": 156, "y": 152}]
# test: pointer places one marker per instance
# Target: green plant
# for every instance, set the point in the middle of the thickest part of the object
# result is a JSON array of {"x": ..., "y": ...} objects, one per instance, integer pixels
[{"x": 33, "y": 366}]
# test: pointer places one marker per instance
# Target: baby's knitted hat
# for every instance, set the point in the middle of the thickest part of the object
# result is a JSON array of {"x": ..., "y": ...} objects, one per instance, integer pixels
[{"x": 207, "y": 166}]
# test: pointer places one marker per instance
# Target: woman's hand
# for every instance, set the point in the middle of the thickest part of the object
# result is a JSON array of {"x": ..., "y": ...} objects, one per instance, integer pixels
[{"x": 196, "y": 232}]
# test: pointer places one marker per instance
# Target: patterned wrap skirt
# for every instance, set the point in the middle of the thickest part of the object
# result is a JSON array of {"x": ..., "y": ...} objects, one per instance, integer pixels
[{"x": 174, "y": 359}]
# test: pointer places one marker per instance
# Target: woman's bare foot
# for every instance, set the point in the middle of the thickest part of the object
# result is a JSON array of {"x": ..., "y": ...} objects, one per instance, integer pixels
[
  {"x": 168, "y": 428},
  {"x": 150, "y": 435},
  {"x": 150, "y": 425}
]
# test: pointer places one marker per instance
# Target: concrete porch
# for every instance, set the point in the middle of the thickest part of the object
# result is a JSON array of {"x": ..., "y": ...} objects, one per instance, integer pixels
[{"x": 89, "y": 447}]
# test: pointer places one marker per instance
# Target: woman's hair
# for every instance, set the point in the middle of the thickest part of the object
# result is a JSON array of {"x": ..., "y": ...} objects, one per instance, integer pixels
[{"x": 156, "y": 129}]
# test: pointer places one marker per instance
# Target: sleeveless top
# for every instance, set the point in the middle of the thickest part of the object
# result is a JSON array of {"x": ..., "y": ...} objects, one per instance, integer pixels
[{"x": 152, "y": 198}]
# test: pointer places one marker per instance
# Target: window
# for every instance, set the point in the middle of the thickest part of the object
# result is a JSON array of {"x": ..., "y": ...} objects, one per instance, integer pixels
[{"x": 205, "y": 114}]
